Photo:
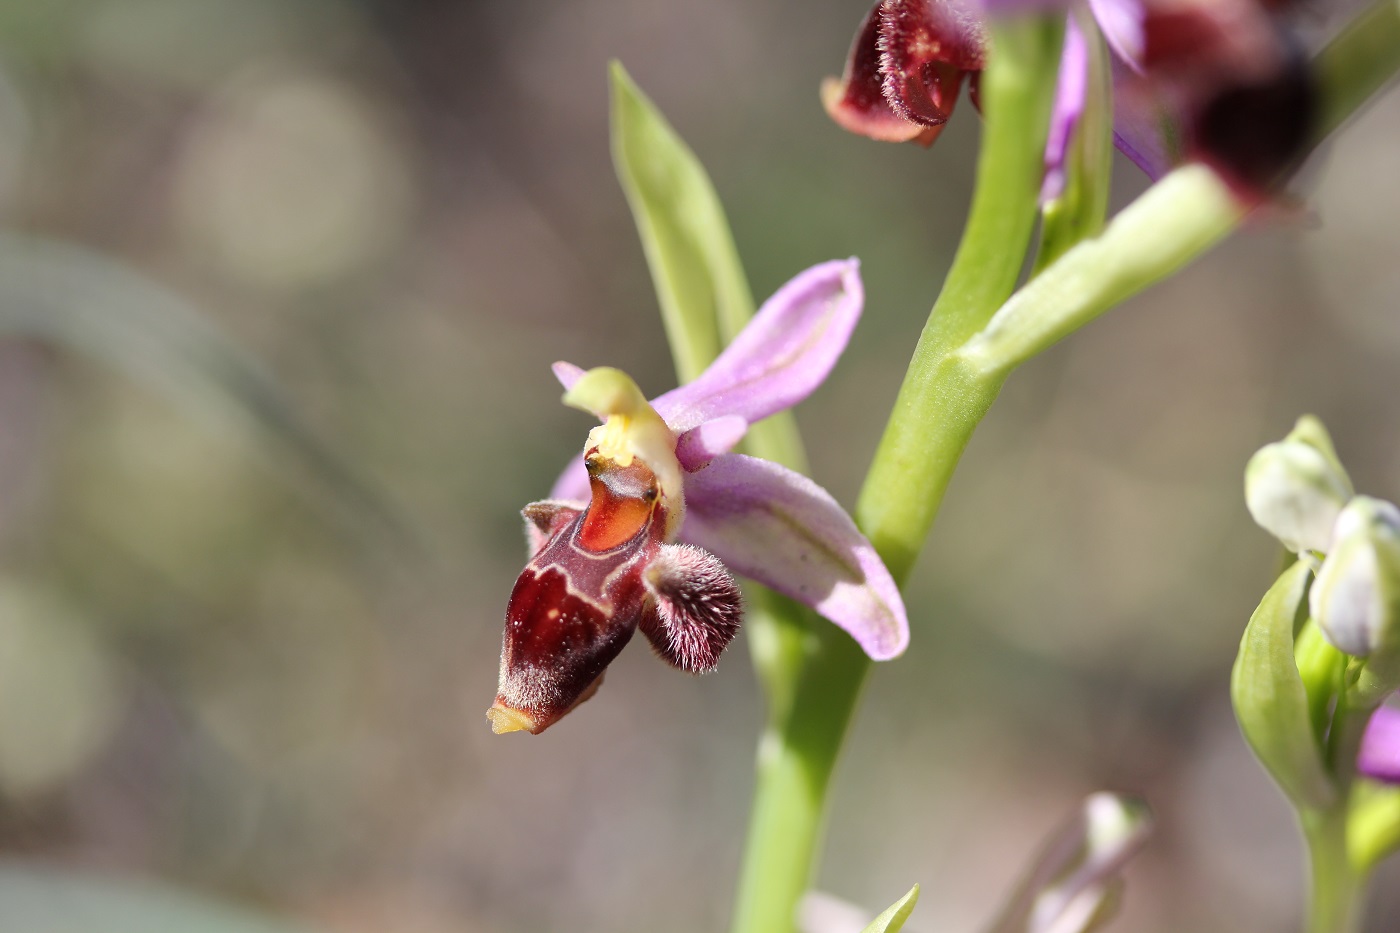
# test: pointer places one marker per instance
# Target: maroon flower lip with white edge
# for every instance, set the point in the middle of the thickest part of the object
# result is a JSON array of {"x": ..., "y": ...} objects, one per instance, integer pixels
[{"x": 643, "y": 529}]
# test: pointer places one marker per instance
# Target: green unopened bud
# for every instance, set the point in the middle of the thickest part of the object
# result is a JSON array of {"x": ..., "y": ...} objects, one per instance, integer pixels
[
  {"x": 1356, "y": 599},
  {"x": 1295, "y": 491}
]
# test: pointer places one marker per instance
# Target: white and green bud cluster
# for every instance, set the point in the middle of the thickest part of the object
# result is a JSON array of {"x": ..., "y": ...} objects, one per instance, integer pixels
[{"x": 1297, "y": 490}]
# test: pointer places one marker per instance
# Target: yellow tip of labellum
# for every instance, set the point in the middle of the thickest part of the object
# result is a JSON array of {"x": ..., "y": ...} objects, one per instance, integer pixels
[{"x": 504, "y": 719}]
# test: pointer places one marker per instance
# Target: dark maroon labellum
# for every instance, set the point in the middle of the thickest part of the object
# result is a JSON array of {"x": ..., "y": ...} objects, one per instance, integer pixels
[{"x": 579, "y": 600}]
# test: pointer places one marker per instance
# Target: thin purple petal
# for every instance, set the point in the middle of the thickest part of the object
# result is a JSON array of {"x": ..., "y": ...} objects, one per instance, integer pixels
[
  {"x": 783, "y": 530},
  {"x": 1121, "y": 22},
  {"x": 1147, "y": 127},
  {"x": 1069, "y": 107},
  {"x": 572, "y": 484},
  {"x": 698, "y": 446},
  {"x": 781, "y": 356},
  {"x": 567, "y": 374},
  {"x": 1379, "y": 757}
]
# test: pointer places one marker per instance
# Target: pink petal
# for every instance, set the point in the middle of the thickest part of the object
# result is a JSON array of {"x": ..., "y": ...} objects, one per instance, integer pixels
[
  {"x": 1121, "y": 22},
  {"x": 784, "y": 353},
  {"x": 1069, "y": 107},
  {"x": 783, "y": 530},
  {"x": 699, "y": 446},
  {"x": 1379, "y": 757},
  {"x": 567, "y": 374},
  {"x": 1148, "y": 124}
]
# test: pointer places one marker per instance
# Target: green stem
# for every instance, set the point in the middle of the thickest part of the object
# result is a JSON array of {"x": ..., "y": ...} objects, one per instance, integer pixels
[
  {"x": 809, "y": 718},
  {"x": 1338, "y": 889},
  {"x": 1177, "y": 219},
  {"x": 1338, "y": 881},
  {"x": 1358, "y": 63},
  {"x": 942, "y": 399}
]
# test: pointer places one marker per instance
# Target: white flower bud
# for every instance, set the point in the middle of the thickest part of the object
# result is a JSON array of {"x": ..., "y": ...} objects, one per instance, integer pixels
[
  {"x": 1295, "y": 493},
  {"x": 1356, "y": 597}
]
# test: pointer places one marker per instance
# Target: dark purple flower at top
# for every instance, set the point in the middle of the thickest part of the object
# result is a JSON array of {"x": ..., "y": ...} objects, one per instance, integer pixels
[
  {"x": 906, "y": 69},
  {"x": 1234, "y": 87},
  {"x": 643, "y": 529}
]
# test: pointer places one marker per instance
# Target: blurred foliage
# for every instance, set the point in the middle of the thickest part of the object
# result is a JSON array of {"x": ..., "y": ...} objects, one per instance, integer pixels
[
  {"x": 404, "y": 211},
  {"x": 68, "y": 903}
]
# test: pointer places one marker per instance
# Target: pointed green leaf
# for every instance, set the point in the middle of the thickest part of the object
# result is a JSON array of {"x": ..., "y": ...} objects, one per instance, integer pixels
[
  {"x": 1270, "y": 700},
  {"x": 78, "y": 300},
  {"x": 892, "y": 920},
  {"x": 700, "y": 282}
]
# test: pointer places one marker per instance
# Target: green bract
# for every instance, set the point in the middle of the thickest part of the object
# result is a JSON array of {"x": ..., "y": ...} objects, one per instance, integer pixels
[
  {"x": 1270, "y": 700},
  {"x": 892, "y": 920}
]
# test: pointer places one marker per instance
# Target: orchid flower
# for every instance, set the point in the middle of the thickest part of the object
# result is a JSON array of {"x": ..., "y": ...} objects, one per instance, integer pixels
[
  {"x": 1213, "y": 80},
  {"x": 643, "y": 529}
]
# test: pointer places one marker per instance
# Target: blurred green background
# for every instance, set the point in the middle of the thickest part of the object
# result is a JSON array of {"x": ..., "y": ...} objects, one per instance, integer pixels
[{"x": 250, "y": 656}]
